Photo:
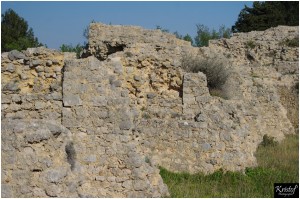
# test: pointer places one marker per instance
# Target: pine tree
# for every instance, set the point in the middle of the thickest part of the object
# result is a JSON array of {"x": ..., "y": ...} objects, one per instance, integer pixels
[
  {"x": 267, "y": 14},
  {"x": 187, "y": 37},
  {"x": 15, "y": 33}
]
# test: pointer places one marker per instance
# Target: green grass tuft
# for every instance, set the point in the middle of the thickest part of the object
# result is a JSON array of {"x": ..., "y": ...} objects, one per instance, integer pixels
[
  {"x": 277, "y": 163},
  {"x": 290, "y": 42},
  {"x": 250, "y": 44}
]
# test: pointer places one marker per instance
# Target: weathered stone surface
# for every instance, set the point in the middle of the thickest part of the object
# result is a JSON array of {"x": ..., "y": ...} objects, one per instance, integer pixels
[
  {"x": 11, "y": 86},
  {"x": 125, "y": 125},
  {"x": 6, "y": 191},
  {"x": 130, "y": 107},
  {"x": 24, "y": 81},
  {"x": 36, "y": 62},
  {"x": 56, "y": 175},
  {"x": 14, "y": 54},
  {"x": 139, "y": 185},
  {"x": 10, "y": 68},
  {"x": 38, "y": 136},
  {"x": 49, "y": 63},
  {"x": 71, "y": 100}
]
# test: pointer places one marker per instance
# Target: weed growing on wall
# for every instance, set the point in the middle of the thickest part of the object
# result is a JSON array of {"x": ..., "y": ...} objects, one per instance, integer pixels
[{"x": 214, "y": 69}]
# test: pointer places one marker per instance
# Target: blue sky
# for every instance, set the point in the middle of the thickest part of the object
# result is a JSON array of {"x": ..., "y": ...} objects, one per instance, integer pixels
[{"x": 56, "y": 23}]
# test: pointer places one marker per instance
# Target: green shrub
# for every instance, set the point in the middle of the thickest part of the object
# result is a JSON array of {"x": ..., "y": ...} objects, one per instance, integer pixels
[
  {"x": 204, "y": 34},
  {"x": 290, "y": 42},
  {"x": 147, "y": 160},
  {"x": 146, "y": 116},
  {"x": 268, "y": 141},
  {"x": 213, "y": 68},
  {"x": 70, "y": 48},
  {"x": 250, "y": 44}
]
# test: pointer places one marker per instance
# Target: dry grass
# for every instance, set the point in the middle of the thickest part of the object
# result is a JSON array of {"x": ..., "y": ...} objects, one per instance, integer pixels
[
  {"x": 214, "y": 69},
  {"x": 284, "y": 158},
  {"x": 218, "y": 93}
]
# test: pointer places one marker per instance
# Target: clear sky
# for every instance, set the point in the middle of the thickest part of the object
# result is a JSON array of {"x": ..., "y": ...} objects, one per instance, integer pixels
[{"x": 56, "y": 23}]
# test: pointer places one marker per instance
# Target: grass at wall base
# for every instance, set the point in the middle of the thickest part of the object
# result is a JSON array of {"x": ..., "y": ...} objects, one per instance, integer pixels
[{"x": 277, "y": 163}]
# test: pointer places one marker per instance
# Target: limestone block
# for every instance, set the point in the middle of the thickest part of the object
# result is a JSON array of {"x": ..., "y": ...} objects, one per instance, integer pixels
[
  {"x": 71, "y": 100},
  {"x": 39, "y": 105},
  {"x": 36, "y": 62},
  {"x": 99, "y": 101},
  {"x": 135, "y": 160},
  {"x": 69, "y": 119},
  {"x": 125, "y": 125},
  {"x": 11, "y": 86},
  {"x": 189, "y": 99},
  {"x": 53, "y": 190},
  {"x": 151, "y": 95},
  {"x": 38, "y": 136},
  {"x": 10, "y": 68},
  {"x": 206, "y": 146},
  {"x": 140, "y": 185},
  {"x": 14, "y": 54},
  {"x": 49, "y": 63}
]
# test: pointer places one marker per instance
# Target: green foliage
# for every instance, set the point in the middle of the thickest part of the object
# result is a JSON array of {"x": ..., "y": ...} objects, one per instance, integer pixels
[
  {"x": 250, "y": 44},
  {"x": 267, "y": 14},
  {"x": 290, "y": 42},
  {"x": 278, "y": 164},
  {"x": 147, "y": 160},
  {"x": 179, "y": 36},
  {"x": 70, "y": 48},
  {"x": 213, "y": 68},
  {"x": 15, "y": 33},
  {"x": 268, "y": 141},
  {"x": 187, "y": 37},
  {"x": 146, "y": 116},
  {"x": 204, "y": 34}
]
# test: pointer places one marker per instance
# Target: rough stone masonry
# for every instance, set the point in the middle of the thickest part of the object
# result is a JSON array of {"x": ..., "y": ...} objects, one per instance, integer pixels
[{"x": 101, "y": 125}]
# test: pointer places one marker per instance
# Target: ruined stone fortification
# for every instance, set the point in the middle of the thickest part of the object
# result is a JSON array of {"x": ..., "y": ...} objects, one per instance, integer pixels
[{"x": 99, "y": 126}]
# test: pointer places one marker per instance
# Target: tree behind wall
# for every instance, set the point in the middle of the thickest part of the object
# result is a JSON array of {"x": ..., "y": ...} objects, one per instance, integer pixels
[
  {"x": 15, "y": 33},
  {"x": 267, "y": 14},
  {"x": 204, "y": 34},
  {"x": 70, "y": 48}
]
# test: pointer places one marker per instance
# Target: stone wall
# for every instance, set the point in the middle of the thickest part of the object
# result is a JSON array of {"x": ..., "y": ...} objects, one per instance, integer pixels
[
  {"x": 100, "y": 126},
  {"x": 31, "y": 84},
  {"x": 85, "y": 152},
  {"x": 98, "y": 113},
  {"x": 272, "y": 64}
]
